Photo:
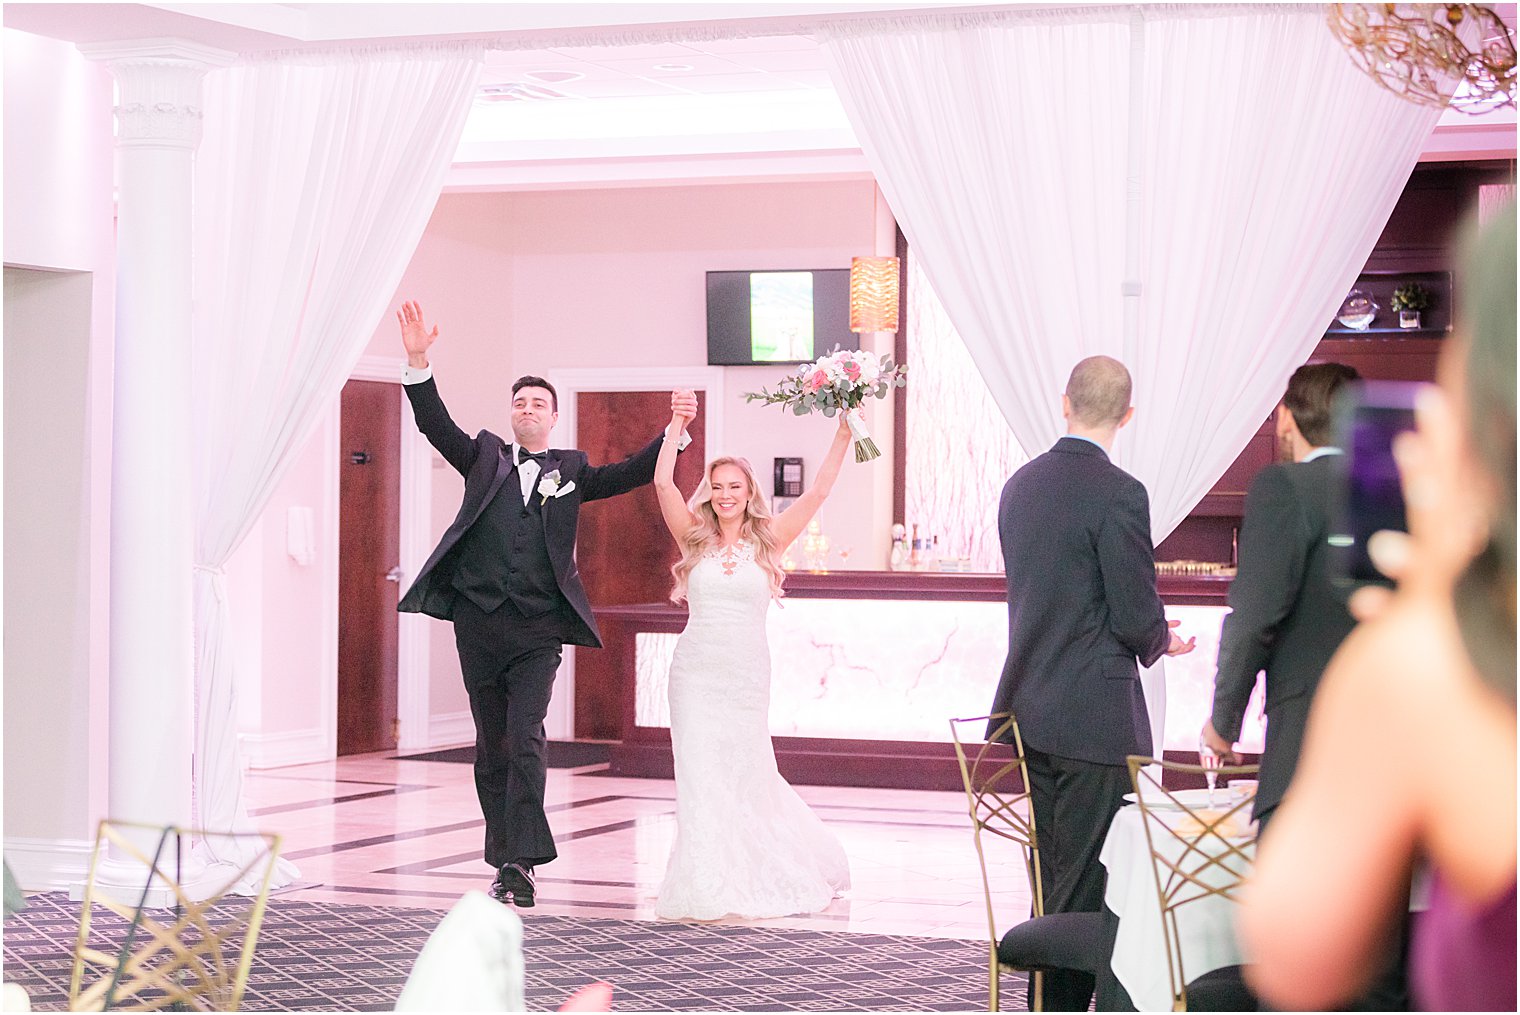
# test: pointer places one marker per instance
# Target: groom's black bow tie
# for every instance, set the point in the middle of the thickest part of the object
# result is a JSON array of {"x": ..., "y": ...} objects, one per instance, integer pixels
[{"x": 524, "y": 455}]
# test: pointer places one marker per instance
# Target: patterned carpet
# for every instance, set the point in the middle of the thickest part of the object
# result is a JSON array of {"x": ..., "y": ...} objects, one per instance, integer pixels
[{"x": 326, "y": 957}]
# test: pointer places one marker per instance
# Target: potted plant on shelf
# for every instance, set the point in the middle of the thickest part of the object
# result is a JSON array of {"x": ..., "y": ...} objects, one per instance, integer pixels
[{"x": 1409, "y": 299}]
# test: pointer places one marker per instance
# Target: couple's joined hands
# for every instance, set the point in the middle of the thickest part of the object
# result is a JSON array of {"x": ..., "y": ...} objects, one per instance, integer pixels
[{"x": 683, "y": 409}]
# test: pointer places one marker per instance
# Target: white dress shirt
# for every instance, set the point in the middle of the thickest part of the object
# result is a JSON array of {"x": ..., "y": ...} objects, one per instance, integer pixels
[{"x": 1320, "y": 452}]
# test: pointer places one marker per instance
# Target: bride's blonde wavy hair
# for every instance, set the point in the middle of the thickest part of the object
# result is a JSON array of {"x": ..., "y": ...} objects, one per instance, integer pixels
[{"x": 755, "y": 529}]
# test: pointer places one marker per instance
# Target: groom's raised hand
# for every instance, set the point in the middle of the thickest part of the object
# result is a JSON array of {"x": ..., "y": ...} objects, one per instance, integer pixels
[{"x": 414, "y": 334}]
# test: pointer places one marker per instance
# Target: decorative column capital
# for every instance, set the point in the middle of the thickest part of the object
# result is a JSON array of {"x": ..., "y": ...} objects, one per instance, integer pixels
[{"x": 159, "y": 87}]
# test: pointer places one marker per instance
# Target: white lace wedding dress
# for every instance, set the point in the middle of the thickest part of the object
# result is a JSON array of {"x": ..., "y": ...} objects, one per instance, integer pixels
[{"x": 746, "y": 844}]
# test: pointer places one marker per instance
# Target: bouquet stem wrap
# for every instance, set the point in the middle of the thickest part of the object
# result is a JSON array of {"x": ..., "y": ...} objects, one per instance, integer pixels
[{"x": 865, "y": 447}]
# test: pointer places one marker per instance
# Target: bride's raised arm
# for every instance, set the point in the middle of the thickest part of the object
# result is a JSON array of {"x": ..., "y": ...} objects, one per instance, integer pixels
[
  {"x": 673, "y": 509},
  {"x": 790, "y": 523}
]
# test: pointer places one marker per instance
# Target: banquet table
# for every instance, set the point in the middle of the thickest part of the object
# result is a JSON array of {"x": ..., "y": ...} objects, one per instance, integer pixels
[{"x": 1206, "y": 927}]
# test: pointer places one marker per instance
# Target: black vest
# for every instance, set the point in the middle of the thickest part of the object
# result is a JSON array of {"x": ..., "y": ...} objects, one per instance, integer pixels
[{"x": 504, "y": 555}]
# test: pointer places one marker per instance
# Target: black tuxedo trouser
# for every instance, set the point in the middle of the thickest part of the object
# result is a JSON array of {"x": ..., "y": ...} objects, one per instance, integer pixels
[
  {"x": 1074, "y": 803},
  {"x": 509, "y": 663}
]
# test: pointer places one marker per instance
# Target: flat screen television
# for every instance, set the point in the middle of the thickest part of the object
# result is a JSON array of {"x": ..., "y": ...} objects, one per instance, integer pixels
[{"x": 759, "y": 317}]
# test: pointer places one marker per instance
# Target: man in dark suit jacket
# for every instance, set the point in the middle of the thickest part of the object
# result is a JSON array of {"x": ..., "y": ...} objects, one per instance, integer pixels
[
  {"x": 505, "y": 574},
  {"x": 1287, "y": 615},
  {"x": 1082, "y": 608}
]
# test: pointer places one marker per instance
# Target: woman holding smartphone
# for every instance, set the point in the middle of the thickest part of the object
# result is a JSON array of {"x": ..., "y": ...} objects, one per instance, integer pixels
[{"x": 1410, "y": 754}]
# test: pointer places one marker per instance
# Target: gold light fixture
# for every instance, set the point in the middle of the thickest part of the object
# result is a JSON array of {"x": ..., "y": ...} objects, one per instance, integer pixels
[
  {"x": 1460, "y": 55},
  {"x": 873, "y": 294}
]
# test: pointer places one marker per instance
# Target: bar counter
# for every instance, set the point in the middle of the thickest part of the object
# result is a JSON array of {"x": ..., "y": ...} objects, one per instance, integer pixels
[{"x": 869, "y": 666}]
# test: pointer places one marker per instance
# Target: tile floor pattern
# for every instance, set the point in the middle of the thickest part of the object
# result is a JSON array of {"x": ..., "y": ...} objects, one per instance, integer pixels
[
  {"x": 399, "y": 834},
  {"x": 395, "y": 832},
  {"x": 317, "y": 956}
]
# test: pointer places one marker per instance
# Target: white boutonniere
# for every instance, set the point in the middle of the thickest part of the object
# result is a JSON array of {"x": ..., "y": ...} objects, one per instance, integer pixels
[{"x": 549, "y": 486}]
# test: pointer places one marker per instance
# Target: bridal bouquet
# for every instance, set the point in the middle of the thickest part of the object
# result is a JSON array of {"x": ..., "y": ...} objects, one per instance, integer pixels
[{"x": 838, "y": 382}]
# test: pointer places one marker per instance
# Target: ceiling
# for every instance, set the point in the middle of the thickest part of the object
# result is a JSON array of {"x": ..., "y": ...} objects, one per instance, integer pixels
[
  {"x": 554, "y": 108},
  {"x": 558, "y": 109}
]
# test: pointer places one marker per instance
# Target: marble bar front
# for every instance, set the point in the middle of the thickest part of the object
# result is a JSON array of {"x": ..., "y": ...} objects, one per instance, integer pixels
[{"x": 868, "y": 667}]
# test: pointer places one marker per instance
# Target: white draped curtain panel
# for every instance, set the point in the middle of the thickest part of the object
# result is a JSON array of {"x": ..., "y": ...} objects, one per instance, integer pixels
[
  {"x": 960, "y": 449},
  {"x": 314, "y": 181},
  {"x": 1191, "y": 190},
  {"x": 1264, "y": 168}
]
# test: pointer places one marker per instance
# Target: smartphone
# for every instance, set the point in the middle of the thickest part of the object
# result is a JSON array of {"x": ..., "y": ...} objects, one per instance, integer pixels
[{"x": 1368, "y": 416}]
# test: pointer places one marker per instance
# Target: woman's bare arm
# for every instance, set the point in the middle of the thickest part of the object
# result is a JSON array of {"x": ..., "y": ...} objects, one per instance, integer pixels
[{"x": 790, "y": 523}]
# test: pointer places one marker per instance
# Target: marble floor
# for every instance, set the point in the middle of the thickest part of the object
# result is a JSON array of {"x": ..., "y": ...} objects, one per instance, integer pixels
[{"x": 393, "y": 832}]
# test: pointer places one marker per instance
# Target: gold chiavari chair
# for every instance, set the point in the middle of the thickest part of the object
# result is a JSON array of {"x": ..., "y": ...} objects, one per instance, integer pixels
[
  {"x": 1199, "y": 855},
  {"x": 996, "y": 779},
  {"x": 192, "y": 954}
]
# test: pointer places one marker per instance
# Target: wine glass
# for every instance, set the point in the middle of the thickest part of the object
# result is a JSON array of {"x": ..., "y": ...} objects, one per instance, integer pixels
[
  {"x": 844, "y": 558},
  {"x": 1210, "y": 762}
]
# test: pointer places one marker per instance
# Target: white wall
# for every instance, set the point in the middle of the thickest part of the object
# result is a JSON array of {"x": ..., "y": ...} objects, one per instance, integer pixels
[
  {"x": 47, "y": 563},
  {"x": 284, "y": 627},
  {"x": 57, "y": 361},
  {"x": 58, "y": 153}
]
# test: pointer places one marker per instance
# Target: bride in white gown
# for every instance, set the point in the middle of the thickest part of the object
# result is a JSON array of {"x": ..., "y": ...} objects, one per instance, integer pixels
[{"x": 746, "y": 844}]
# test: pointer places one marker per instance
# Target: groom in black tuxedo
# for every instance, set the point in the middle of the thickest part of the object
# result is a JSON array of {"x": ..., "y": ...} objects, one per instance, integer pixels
[
  {"x": 1082, "y": 608},
  {"x": 505, "y": 574}
]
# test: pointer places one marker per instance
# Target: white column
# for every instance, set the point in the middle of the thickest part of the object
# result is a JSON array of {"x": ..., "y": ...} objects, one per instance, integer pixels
[{"x": 152, "y": 627}]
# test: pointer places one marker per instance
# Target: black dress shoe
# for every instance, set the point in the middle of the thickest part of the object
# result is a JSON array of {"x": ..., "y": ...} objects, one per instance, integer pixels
[{"x": 514, "y": 884}]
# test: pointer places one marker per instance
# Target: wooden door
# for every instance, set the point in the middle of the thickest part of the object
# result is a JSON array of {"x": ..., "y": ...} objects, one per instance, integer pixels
[
  {"x": 369, "y": 531},
  {"x": 624, "y": 550}
]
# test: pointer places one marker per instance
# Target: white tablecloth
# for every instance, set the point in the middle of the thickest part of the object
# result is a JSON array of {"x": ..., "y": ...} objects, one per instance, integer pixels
[{"x": 1206, "y": 927}]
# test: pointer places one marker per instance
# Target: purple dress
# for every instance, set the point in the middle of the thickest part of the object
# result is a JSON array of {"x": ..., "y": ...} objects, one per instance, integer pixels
[{"x": 1463, "y": 959}]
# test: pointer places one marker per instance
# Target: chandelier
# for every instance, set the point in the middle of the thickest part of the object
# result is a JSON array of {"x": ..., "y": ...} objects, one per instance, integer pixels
[{"x": 1460, "y": 55}]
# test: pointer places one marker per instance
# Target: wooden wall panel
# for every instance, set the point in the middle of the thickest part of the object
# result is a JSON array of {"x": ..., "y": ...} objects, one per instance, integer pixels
[{"x": 624, "y": 550}]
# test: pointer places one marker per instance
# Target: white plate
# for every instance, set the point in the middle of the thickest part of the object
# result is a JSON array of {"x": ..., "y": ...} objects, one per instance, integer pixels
[{"x": 1194, "y": 798}]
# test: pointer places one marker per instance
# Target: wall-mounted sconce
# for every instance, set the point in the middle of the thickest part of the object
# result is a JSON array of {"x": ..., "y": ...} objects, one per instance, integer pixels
[{"x": 873, "y": 294}]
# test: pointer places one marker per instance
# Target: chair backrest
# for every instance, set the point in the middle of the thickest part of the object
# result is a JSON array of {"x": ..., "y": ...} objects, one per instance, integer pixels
[
  {"x": 193, "y": 952},
  {"x": 996, "y": 779},
  {"x": 1198, "y": 852}
]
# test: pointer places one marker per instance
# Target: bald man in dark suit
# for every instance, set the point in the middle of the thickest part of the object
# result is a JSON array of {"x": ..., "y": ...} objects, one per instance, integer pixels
[{"x": 1083, "y": 615}]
